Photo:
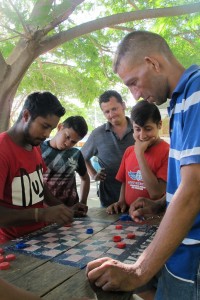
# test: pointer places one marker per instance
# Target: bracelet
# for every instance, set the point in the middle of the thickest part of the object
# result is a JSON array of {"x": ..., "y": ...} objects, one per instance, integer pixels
[{"x": 36, "y": 215}]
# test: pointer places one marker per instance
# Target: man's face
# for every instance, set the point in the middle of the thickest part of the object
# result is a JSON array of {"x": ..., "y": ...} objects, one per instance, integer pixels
[
  {"x": 37, "y": 130},
  {"x": 66, "y": 138},
  {"x": 114, "y": 111},
  {"x": 144, "y": 80}
]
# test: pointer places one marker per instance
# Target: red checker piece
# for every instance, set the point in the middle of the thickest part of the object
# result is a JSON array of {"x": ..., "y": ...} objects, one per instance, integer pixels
[
  {"x": 4, "y": 265},
  {"x": 121, "y": 245},
  {"x": 130, "y": 235},
  {"x": 117, "y": 238},
  {"x": 1, "y": 251},
  {"x": 1, "y": 258},
  {"x": 118, "y": 227},
  {"x": 10, "y": 257},
  {"x": 67, "y": 225}
]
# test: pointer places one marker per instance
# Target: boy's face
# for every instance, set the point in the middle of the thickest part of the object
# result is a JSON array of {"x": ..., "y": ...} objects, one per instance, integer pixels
[
  {"x": 66, "y": 138},
  {"x": 148, "y": 131}
]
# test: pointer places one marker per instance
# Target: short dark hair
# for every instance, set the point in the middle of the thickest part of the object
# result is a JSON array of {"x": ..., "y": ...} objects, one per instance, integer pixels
[
  {"x": 143, "y": 111},
  {"x": 105, "y": 97},
  {"x": 42, "y": 104},
  {"x": 138, "y": 44},
  {"x": 78, "y": 124}
]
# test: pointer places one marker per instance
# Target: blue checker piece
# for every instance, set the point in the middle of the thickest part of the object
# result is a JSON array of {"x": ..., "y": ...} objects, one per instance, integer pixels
[
  {"x": 125, "y": 217},
  {"x": 89, "y": 230}
]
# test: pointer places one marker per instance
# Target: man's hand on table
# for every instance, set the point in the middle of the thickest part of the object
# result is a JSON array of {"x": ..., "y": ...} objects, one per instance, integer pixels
[
  {"x": 80, "y": 209},
  {"x": 116, "y": 208},
  {"x": 60, "y": 214},
  {"x": 144, "y": 208},
  {"x": 112, "y": 275}
]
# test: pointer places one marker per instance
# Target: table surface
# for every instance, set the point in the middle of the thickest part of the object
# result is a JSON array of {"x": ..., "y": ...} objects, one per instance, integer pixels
[{"x": 52, "y": 280}]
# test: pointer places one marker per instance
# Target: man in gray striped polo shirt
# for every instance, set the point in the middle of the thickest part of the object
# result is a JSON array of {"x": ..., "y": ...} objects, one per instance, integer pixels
[{"x": 108, "y": 143}]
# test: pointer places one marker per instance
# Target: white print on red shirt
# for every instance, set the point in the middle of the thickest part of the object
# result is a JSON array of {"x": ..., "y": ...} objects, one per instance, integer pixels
[{"x": 28, "y": 188}]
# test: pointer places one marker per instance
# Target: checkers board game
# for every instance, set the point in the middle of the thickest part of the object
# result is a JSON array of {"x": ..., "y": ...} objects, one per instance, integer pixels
[{"x": 74, "y": 246}]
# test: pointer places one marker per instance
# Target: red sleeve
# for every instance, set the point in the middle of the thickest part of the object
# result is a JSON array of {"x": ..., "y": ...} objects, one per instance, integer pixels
[
  {"x": 4, "y": 167},
  {"x": 162, "y": 170},
  {"x": 121, "y": 174}
]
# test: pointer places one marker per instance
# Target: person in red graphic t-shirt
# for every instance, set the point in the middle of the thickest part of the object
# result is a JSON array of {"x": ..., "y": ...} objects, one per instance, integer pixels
[
  {"x": 143, "y": 169},
  {"x": 22, "y": 192}
]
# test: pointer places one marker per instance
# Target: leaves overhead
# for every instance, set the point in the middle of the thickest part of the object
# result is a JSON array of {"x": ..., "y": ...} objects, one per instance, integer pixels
[{"x": 81, "y": 67}]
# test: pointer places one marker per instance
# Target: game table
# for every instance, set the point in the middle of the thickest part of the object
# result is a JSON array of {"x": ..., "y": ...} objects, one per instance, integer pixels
[{"x": 53, "y": 263}]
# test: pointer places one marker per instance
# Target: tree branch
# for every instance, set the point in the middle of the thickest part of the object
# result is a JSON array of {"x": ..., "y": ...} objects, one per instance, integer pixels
[
  {"x": 85, "y": 28},
  {"x": 56, "y": 64},
  {"x": 36, "y": 12},
  {"x": 26, "y": 30},
  {"x": 133, "y": 4},
  {"x": 3, "y": 67},
  {"x": 61, "y": 18},
  {"x": 13, "y": 30},
  {"x": 123, "y": 28}
]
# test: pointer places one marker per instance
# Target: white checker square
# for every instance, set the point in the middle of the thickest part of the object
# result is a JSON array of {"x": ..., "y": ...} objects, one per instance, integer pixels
[
  {"x": 110, "y": 244},
  {"x": 83, "y": 236},
  {"x": 51, "y": 245},
  {"x": 77, "y": 222},
  {"x": 51, "y": 253},
  {"x": 87, "y": 242},
  {"x": 49, "y": 234},
  {"x": 72, "y": 251},
  {"x": 51, "y": 240},
  {"x": 116, "y": 251},
  {"x": 70, "y": 243},
  {"x": 95, "y": 254},
  {"x": 32, "y": 248},
  {"x": 33, "y": 242},
  {"x": 139, "y": 233},
  {"x": 90, "y": 247},
  {"x": 74, "y": 257}
]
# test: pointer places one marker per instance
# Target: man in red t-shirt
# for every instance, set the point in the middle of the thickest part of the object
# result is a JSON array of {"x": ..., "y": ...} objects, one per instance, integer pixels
[
  {"x": 22, "y": 192},
  {"x": 143, "y": 170}
]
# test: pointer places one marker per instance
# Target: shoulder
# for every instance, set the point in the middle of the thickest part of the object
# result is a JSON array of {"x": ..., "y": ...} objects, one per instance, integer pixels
[
  {"x": 129, "y": 121},
  {"x": 100, "y": 128},
  {"x": 74, "y": 150},
  {"x": 44, "y": 145},
  {"x": 162, "y": 147},
  {"x": 97, "y": 132},
  {"x": 4, "y": 137},
  {"x": 190, "y": 81},
  {"x": 129, "y": 150}
]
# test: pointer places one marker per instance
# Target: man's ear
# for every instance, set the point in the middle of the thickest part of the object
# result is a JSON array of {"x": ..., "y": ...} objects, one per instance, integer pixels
[
  {"x": 26, "y": 115},
  {"x": 160, "y": 124},
  {"x": 60, "y": 126},
  {"x": 154, "y": 63}
]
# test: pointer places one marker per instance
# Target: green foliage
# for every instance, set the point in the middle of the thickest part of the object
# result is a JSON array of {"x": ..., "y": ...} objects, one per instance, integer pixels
[{"x": 82, "y": 68}]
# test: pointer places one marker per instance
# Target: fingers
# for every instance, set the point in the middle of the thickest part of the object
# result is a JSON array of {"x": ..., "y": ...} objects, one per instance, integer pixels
[
  {"x": 113, "y": 209},
  {"x": 59, "y": 214},
  {"x": 123, "y": 208},
  {"x": 101, "y": 175},
  {"x": 116, "y": 208},
  {"x": 109, "y": 209},
  {"x": 95, "y": 264},
  {"x": 80, "y": 210}
]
